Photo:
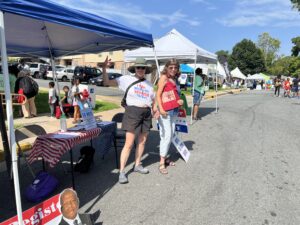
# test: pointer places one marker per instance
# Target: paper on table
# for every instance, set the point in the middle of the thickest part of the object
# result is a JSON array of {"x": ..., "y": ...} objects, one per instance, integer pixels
[
  {"x": 77, "y": 128},
  {"x": 65, "y": 135}
]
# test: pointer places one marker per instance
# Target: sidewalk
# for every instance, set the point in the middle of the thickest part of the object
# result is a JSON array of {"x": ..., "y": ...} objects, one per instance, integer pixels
[{"x": 53, "y": 124}]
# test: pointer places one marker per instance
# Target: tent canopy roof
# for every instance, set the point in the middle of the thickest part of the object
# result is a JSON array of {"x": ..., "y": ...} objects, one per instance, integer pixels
[
  {"x": 32, "y": 27},
  {"x": 173, "y": 45},
  {"x": 258, "y": 76},
  {"x": 236, "y": 73},
  {"x": 184, "y": 68},
  {"x": 221, "y": 70}
]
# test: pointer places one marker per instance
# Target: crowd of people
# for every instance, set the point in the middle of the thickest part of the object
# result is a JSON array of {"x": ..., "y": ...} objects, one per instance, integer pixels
[{"x": 290, "y": 87}]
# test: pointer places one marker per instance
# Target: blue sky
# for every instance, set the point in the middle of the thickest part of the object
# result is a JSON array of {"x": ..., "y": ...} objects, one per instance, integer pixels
[{"x": 212, "y": 24}]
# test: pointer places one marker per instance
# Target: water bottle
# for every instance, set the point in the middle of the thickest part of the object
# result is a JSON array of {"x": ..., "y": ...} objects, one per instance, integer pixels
[{"x": 63, "y": 123}]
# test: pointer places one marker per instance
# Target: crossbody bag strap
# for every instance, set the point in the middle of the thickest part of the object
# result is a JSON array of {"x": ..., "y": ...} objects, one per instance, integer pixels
[{"x": 134, "y": 83}]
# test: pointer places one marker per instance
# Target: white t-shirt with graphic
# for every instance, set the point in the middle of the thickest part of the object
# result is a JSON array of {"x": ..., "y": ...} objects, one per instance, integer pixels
[{"x": 140, "y": 94}]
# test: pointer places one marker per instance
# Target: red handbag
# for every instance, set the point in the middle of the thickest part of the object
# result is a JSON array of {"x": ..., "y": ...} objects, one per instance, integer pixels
[
  {"x": 21, "y": 97},
  {"x": 170, "y": 97}
]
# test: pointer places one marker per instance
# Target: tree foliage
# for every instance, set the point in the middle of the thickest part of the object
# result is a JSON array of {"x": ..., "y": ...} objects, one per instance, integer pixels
[
  {"x": 296, "y": 47},
  {"x": 269, "y": 47},
  {"x": 247, "y": 57},
  {"x": 287, "y": 66},
  {"x": 296, "y": 4},
  {"x": 223, "y": 55}
]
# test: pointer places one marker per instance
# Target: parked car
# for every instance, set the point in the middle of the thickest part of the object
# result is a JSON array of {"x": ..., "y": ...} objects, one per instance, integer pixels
[
  {"x": 98, "y": 81},
  {"x": 85, "y": 73},
  {"x": 63, "y": 74},
  {"x": 48, "y": 72},
  {"x": 37, "y": 69}
]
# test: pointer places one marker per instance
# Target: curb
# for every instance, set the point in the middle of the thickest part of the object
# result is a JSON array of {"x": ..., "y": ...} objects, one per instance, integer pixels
[{"x": 223, "y": 93}]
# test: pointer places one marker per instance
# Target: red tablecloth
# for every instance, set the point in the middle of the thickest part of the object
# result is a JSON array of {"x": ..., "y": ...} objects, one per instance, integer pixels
[{"x": 52, "y": 146}]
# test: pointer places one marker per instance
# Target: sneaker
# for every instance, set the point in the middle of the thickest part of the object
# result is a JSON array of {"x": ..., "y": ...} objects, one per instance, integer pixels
[
  {"x": 141, "y": 169},
  {"x": 122, "y": 178}
]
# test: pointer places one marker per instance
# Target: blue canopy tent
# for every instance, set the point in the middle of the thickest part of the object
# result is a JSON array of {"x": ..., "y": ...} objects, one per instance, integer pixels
[
  {"x": 184, "y": 68},
  {"x": 41, "y": 28},
  {"x": 33, "y": 27}
]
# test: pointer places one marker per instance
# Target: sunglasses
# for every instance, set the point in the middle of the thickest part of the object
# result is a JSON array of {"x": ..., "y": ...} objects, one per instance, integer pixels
[
  {"x": 140, "y": 68},
  {"x": 173, "y": 68}
]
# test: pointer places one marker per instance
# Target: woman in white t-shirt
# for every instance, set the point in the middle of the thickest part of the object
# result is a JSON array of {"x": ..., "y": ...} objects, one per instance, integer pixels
[{"x": 138, "y": 116}]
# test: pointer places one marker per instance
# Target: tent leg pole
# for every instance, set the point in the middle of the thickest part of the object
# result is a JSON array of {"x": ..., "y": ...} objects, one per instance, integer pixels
[
  {"x": 5, "y": 140},
  {"x": 192, "y": 111},
  {"x": 56, "y": 82},
  {"x": 10, "y": 120},
  {"x": 157, "y": 66},
  {"x": 216, "y": 89}
]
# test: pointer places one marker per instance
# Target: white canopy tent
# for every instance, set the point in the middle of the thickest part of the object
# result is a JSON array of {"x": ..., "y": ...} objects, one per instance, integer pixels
[
  {"x": 236, "y": 73},
  {"x": 256, "y": 77},
  {"x": 47, "y": 26},
  {"x": 174, "y": 45},
  {"x": 221, "y": 70}
]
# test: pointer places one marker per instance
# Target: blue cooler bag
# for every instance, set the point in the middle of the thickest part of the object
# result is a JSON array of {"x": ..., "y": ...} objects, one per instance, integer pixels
[{"x": 42, "y": 186}]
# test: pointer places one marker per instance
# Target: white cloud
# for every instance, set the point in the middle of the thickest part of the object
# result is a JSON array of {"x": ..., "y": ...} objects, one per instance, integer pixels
[
  {"x": 131, "y": 14},
  {"x": 208, "y": 4},
  {"x": 275, "y": 13}
]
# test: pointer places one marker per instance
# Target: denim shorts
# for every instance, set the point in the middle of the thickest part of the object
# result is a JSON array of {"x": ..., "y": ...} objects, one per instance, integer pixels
[{"x": 197, "y": 97}]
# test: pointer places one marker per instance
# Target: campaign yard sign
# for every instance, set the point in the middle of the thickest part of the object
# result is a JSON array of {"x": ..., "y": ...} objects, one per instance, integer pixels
[
  {"x": 181, "y": 124},
  {"x": 181, "y": 148},
  {"x": 45, "y": 213}
]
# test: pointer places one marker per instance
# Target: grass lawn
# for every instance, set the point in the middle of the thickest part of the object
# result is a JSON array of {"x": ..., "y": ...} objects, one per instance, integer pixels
[{"x": 42, "y": 106}]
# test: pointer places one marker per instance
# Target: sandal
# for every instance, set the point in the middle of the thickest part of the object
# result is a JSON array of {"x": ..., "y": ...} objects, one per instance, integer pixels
[
  {"x": 169, "y": 162},
  {"x": 162, "y": 169}
]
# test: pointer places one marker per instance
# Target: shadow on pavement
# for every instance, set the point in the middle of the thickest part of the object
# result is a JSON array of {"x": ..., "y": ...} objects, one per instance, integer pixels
[{"x": 203, "y": 111}]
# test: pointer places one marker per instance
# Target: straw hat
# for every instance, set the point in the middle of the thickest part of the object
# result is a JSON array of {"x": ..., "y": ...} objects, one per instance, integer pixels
[{"x": 140, "y": 62}]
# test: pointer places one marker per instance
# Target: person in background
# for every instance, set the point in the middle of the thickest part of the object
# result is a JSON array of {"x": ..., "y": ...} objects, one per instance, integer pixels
[
  {"x": 296, "y": 87},
  {"x": 198, "y": 92},
  {"x": 67, "y": 101},
  {"x": 168, "y": 100},
  {"x": 27, "y": 86},
  {"x": 76, "y": 100},
  {"x": 137, "y": 119},
  {"x": 254, "y": 85},
  {"x": 287, "y": 88},
  {"x": 262, "y": 84},
  {"x": 52, "y": 100},
  {"x": 69, "y": 205},
  {"x": 277, "y": 84},
  {"x": 23, "y": 66}
]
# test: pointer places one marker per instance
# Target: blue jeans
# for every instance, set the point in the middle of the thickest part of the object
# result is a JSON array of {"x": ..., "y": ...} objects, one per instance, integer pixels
[{"x": 166, "y": 131}]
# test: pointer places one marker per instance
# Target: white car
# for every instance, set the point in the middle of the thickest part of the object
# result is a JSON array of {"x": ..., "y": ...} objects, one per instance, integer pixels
[
  {"x": 36, "y": 68},
  {"x": 63, "y": 74}
]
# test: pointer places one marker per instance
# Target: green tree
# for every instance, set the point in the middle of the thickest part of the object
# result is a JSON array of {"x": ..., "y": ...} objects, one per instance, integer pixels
[
  {"x": 247, "y": 57},
  {"x": 296, "y": 47},
  {"x": 269, "y": 47},
  {"x": 287, "y": 66},
  {"x": 296, "y": 4},
  {"x": 222, "y": 54}
]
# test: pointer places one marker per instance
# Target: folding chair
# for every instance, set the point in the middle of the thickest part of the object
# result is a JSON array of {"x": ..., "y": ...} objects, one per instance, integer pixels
[
  {"x": 23, "y": 133},
  {"x": 119, "y": 135}
]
